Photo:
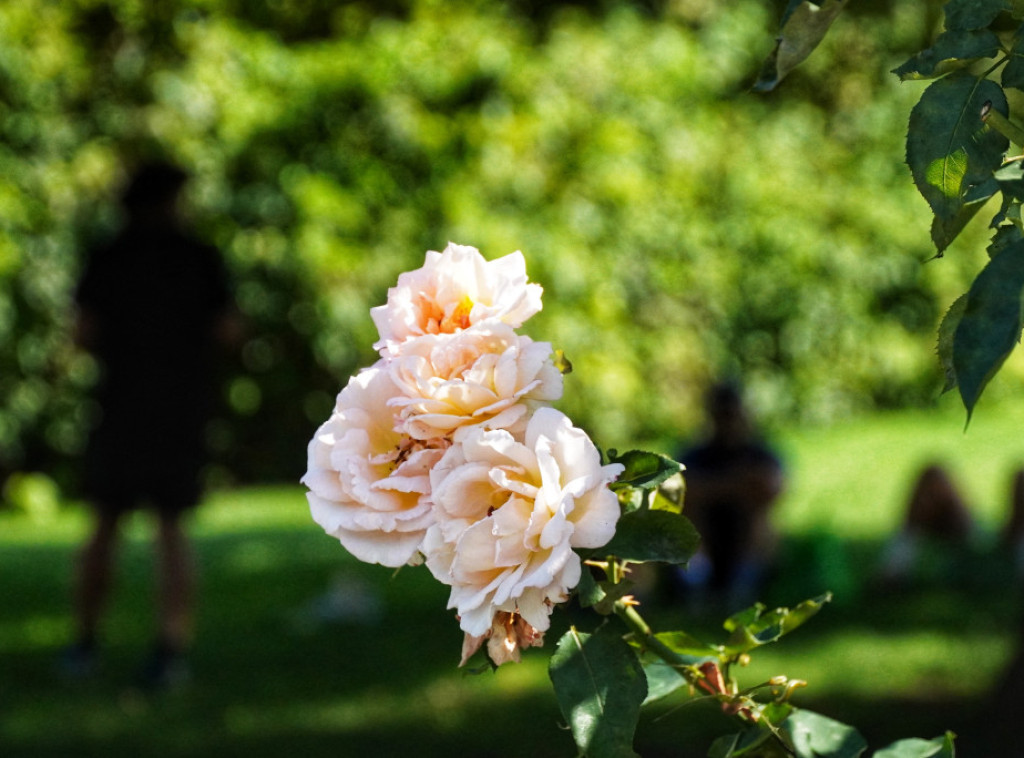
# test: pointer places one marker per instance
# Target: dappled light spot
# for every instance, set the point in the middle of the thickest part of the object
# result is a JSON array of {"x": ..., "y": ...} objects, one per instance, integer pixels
[
  {"x": 34, "y": 632},
  {"x": 447, "y": 704},
  {"x": 254, "y": 555},
  {"x": 947, "y": 173}
]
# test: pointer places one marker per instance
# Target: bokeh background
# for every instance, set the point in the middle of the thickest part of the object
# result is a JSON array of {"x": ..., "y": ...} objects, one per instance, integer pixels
[{"x": 683, "y": 228}]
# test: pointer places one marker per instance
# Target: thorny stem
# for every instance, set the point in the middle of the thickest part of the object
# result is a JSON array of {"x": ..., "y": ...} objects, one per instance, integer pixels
[
  {"x": 693, "y": 675},
  {"x": 626, "y": 611},
  {"x": 642, "y": 629}
]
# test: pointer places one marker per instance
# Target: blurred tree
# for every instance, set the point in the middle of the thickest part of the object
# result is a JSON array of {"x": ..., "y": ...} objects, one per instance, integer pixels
[{"x": 681, "y": 227}]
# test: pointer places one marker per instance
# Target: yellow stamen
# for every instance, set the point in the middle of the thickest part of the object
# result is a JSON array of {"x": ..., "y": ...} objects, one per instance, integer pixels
[{"x": 459, "y": 318}]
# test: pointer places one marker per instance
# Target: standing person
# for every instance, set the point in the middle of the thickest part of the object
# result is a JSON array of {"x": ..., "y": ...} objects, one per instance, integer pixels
[
  {"x": 150, "y": 304},
  {"x": 936, "y": 532},
  {"x": 732, "y": 481}
]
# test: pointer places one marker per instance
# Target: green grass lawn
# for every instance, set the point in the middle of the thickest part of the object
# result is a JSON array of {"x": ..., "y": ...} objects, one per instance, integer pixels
[
  {"x": 852, "y": 479},
  {"x": 303, "y": 651}
]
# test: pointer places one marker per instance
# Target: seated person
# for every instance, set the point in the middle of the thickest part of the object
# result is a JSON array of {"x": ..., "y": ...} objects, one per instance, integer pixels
[
  {"x": 936, "y": 515},
  {"x": 732, "y": 481}
]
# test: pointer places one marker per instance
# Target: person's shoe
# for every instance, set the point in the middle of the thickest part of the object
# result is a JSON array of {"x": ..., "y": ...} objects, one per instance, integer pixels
[
  {"x": 79, "y": 660},
  {"x": 165, "y": 669}
]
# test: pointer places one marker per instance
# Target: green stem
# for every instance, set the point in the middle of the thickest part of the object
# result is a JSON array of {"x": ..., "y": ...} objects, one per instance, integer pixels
[
  {"x": 693, "y": 676},
  {"x": 747, "y": 713},
  {"x": 1004, "y": 126},
  {"x": 642, "y": 629},
  {"x": 997, "y": 64}
]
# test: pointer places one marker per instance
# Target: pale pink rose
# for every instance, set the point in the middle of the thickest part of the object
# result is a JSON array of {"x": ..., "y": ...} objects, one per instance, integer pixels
[
  {"x": 509, "y": 514},
  {"x": 487, "y": 376},
  {"x": 452, "y": 291},
  {"x": 368, "y": 484}
]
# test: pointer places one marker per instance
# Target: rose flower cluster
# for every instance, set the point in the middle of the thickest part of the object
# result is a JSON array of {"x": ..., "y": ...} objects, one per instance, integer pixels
[{"x": 447, "y": 451}]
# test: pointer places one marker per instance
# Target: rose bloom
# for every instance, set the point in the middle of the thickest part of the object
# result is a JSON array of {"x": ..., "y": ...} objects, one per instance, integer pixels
[
  {"x": 485, "y": 376},
  {"x": 509, "y": 514},
  {"x": 509, "y": 633},
  {"x": 453, "y": 290},
  {"x": 368, "y": 484}
]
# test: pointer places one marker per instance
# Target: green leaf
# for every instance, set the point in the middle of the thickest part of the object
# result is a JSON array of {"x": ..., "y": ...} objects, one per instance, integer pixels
[
  {"x": 1009, "y": 211},
  {"x": 804, "y": 25},
  {"x": 662, "y": 503},
  {"x": 757, "y": 739},
  {"x": 950, "y": 149},
  {"x": 792, "y": 6},
  {"x": 662, "y": 679},
  {"x": 1011, "y": 180},
  {"x": 1012, "y": 213},
  {"x": 980, "y": 193},
  {"x": 1011, "y": 185},
  {"x": 1010, "y": 174},
  {"x": 1005, "y": 236},
  {"x": 589, "y": 591},
  {"x": 688, "y": 645},
  {"x": 648, "y": 535},
  {"x": 946, "y": 229},
  {"x": 612, "y": 592},
  {"x": 944, "y": 348},
  {"x": 644, "y": 470},
  {"x": 753, "y": 741},
  {"x": 973, "y": 14},
  {"x": 753, "y": 627},
  {"x": 600, "y": 685},
  {"x": 1013, "y": 72},
  {"x": 940, "y": 747},
  {"x": 776, "y": 713},
  {"x": 990, "y": 325},
  {"x": 950, "y": 51},
  {"x": 815, "y": 736},
  {"x": 744, "y": 618},
  {"x": 724, "y": 746}
]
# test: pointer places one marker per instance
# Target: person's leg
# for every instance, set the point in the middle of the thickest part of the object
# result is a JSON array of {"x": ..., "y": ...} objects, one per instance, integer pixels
[
  {"x": 166, "y": 666},
  {"x": 176, "y": 577},
  {"x": 91, "y": 591},
  {"x": 95, "y": 565}
]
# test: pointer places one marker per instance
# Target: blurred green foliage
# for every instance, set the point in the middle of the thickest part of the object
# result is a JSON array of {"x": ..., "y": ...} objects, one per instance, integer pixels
[{"x": 682, "y": 227}]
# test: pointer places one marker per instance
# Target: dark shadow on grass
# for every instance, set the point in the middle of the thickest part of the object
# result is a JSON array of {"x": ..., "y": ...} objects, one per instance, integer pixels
[
  {"x": 277, "y": 669},
  {"x": 972, "y": 598},
  {"x": 278, "y": 672}
]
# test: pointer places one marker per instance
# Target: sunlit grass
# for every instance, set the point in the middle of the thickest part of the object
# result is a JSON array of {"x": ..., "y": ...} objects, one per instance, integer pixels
[
  {"x": 854, "y": 478},
  {"x": 445, "y": 704},
  {"x": 280, "y": 507},
  {"x": 862, "y": 663}
]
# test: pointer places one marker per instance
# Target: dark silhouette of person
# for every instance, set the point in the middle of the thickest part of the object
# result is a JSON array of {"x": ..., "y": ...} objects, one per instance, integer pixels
[
  {"x": 732, "y": 480},
  {"x": 151, "y": 305},
  {"x": 936, "y": 514}
]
